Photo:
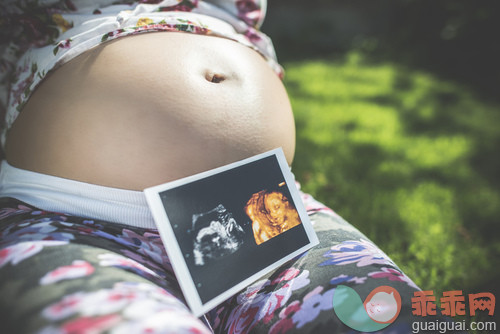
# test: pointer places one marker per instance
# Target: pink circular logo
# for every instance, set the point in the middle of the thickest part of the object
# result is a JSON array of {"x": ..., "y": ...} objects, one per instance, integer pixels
[{"x": 383, "y": 304}]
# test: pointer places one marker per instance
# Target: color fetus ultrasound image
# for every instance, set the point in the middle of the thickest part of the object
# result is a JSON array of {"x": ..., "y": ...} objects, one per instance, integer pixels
[{"x": 271, "y": 214}]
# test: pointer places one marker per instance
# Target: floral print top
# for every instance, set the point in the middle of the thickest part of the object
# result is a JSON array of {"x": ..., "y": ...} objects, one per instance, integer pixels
[{"x": 37, "y": 36}]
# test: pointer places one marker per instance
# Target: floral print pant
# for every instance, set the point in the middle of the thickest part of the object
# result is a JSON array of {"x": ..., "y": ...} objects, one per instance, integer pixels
[{"x": 65, "y": 274}]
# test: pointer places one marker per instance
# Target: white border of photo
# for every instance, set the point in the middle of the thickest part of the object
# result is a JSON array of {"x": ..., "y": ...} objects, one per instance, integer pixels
[{"x": 153, "y": 196}]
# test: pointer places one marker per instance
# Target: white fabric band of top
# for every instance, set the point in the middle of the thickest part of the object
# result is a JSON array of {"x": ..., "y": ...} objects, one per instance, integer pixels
[{"x": 51, "y": 193}]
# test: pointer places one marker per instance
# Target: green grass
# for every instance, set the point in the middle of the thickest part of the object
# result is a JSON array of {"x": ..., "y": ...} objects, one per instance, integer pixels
[{"x": 409, "y": 159}]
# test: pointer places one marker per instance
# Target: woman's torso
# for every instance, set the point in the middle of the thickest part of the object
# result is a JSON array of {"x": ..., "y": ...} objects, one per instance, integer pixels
[{"x": 151, "y": 108}]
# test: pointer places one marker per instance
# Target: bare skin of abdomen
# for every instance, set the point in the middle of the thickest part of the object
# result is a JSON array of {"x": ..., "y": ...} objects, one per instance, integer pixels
[{"x": 152, "y": 108}]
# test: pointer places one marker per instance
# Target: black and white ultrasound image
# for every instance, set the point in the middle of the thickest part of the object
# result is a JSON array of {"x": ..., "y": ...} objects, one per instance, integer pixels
[{"x": 215, "y": 234}]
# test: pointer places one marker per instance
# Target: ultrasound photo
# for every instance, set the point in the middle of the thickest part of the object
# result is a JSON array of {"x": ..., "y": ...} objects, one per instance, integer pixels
[
  {"x": 225, "y": 228},
  {"x": 215, "y": 234}
]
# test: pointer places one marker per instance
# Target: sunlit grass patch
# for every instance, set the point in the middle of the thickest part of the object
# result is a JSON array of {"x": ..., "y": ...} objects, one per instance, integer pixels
[
  {"x": 436, "y": 152},
  {"x": 407, "y": 158}
]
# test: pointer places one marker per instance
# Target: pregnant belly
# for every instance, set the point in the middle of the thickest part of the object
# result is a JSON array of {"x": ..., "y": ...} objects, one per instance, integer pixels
[{"x": 152, "y": 108}]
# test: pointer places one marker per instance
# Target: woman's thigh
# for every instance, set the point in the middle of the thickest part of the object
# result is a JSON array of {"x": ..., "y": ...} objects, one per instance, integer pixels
[
  {"x": 60, "y": 274},
  {"x": 298, "y": 297}
]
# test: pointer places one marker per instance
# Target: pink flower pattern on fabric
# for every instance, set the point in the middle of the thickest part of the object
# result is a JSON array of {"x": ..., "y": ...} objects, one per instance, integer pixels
[
  {"x": 91, "y": 324},
  {"x": 128, "y": 307},
  {"x": 262, "y": 299},
  {"x": 285, "y": 323},
  {"x": 249, "y": 11},
  {"x": 393, "y": 275},
  {"x": 115, "y": 260},
  {"x": 77, "y": 269},
  {"x": 23, "y": 250},
  {"x": 313, "y": 205},
  {"x": 7, "y": 212}
]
